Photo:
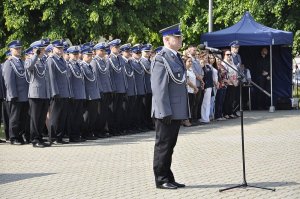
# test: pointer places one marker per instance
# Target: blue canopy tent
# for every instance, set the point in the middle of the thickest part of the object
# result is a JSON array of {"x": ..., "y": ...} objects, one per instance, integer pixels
[{"x": 254, "y": 35}]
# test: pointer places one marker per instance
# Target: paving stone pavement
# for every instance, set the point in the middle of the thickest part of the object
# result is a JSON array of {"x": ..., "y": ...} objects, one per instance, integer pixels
[{"x": 206, "y": 158}]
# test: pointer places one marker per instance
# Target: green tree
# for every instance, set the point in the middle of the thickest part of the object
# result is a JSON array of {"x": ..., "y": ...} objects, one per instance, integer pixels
[
  {"x": 278, "y": 14},
  {"x": 87, "y": 20}
]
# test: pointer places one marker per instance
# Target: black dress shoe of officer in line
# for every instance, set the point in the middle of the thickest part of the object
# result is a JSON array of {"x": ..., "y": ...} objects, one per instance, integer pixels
[
  {"x": 178, "y": 184},
  {"x": 59, "y": 142},
  {"x": 40, "y": 145},
  {"x": 166, "y": 185},
  {"x": 16, "y": 142},
  {"x": 76, "y": 140}
]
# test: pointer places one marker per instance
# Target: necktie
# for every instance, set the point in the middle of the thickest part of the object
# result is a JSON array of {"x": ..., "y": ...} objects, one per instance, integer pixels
[{"x": 178, "y": 55}]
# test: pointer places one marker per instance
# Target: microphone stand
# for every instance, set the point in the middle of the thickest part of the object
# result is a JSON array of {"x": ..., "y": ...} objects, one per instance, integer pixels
[{"x": 242, "y": 77}]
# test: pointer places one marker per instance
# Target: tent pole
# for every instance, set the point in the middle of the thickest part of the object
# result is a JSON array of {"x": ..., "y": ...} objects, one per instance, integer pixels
[
  {"x": 210, "y": 16},
  {"x": 272, "y": 108}
]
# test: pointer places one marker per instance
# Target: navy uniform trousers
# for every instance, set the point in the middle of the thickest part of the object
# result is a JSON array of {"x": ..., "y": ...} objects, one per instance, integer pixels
[
  {"x": 90, "y": 118},
  {"x": 38, "y": 113},
  {"x": 165, "y": 141},
  {"x": 5, "y": 118},
  {"x": 75, "y": 124},
  {"x": 105, "y": 113},
  {"x": 58, "y": 117},
  {"x": 18, "y": 119}
]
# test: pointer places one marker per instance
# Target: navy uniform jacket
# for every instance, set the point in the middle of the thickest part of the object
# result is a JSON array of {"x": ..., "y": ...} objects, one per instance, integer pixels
[
  {"x": 236, "y": 58},
  {"x": 169, "y": 97},
  {"x": 90, "y": 79},
  {"x": 2, "y": 90},
  {"x": 39, "y": 85},
  {"x": 77, "y": 80},
  {"x": 117, "y": 73},
  {"x": 102, "y": 71},
  {"x": 59, "y": 77},
  {"x": 131, "y": 87},
  {"x": 146, "y": 64},
  {"x": 139, "y": 76},
  {"x": 14, "y": 78}
]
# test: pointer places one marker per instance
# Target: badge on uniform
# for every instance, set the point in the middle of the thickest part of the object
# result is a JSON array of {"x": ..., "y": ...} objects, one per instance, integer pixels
[{"x": 178, "y": 75}]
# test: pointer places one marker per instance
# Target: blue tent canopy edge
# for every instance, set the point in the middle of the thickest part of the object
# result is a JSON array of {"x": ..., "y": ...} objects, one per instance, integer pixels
[{"x": 248, "y": 33}]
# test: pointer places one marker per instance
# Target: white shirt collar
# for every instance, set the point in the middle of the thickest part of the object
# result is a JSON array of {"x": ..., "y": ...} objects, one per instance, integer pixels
[
  {"x": 16, "y": 57},
  {"x": 101, "y": 58},
  {"x": 173, "y": 51},
  {"x": 114, "y": 55},
  {"x": 126, "y": 60}
]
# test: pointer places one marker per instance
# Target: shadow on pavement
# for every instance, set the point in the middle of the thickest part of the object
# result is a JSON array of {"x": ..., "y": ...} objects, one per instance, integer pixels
[
  {"x": 260, "y": 184},
  {"x": 12, "y": 177}
]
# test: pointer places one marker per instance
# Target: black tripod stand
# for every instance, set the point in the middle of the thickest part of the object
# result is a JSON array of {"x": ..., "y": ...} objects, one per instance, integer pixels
[{"x": 241, "y": 78}]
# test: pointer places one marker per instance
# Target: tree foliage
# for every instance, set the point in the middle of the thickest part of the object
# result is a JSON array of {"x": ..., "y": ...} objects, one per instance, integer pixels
[
  {"x": 278, "y": 14},
  {"x": 135, "y": 20}
]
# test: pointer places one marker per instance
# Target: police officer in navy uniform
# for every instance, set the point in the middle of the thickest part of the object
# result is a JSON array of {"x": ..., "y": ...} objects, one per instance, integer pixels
[
  {"x": 139, "y": 76},
  {"x": 146, "y": 64},
  {"x": 236, "y": 58},
  {"x": 61, "y": 93},
  {"x": 169, "y": 105},
  {"x": 78, "y": 102},
  {"x": 131, "y": 89},
  {"x": 2, "y": 97},
  {"x": 101, "y": 68},
  {"x": 39, "y": 92},
  {"x": 5, "y": 106},
  {"x": 92, "y": 94},
  {"x": 119, "y": 82},
  {"x": 16, "y": 93}
]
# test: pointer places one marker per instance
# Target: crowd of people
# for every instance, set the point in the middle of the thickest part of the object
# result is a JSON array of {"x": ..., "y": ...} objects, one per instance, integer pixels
[
  {"x": 93, "y": 91},
  {"x": 213, "y": 85}
]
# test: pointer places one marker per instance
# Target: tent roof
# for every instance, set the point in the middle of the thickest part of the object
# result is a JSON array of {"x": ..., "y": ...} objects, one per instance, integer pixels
[{"x": 248, "y": 33}]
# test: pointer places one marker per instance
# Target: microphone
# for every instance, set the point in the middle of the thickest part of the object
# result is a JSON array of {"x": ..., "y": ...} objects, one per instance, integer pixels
[{"x": 213, "y": 50}]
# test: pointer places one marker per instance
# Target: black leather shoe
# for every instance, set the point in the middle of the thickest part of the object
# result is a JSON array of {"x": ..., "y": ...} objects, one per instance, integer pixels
[
  {"x": 59, "y": 142},
  {"x": 166, "y": 185},
  {"x": 91, "y": 138},
  {"x": 178, "y": 184},
  {"x": 38, "y": 145},
  {"x": 75, "y": 140},
  {"x": 15, "y": 142}
]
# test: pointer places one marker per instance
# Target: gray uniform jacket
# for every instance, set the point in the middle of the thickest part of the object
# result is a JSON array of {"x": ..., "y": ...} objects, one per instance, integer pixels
[
  {"x": 39, "y": 85},
  {"x": 77, "y": 80},
  {"x": 146, "y": 64},
  {"x": 139, "y": 76},
  {"x": 59, "y": 77},
  {"x": 90, "y": 79},
  {"x": 131, "y": 87},
  {"x": 14, "y": 78},
  {"x": 117, "y": 74},
  {"x": 102, "y": 70},
  {"x": 169, "y": 98}
]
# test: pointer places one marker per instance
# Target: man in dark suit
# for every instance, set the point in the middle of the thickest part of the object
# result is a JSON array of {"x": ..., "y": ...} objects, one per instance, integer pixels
[{"x": 169, "y": 105}]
